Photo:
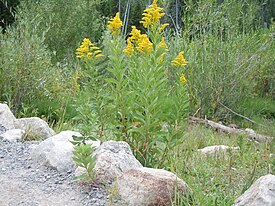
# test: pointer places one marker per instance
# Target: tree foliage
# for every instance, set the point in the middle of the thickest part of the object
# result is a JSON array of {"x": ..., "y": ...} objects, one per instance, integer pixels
[{"x": 7, "y": 12}]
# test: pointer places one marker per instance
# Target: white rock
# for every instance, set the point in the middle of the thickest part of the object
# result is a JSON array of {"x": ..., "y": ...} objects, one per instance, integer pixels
[
  {"x": 216, "y": 148},
  {"x": 250, "y": 131},
  {"x": 35, "y": 127},
  {"x": 146, "y": 186},
  {"x": 112, "y": 159},
  {"x": 56, "y": 151},
  {"x": 7, "y": 118},
  {"x": 80, "y": 171},
  {"x": 13, "y": 134},
  {"x": 261, "y": 193}
]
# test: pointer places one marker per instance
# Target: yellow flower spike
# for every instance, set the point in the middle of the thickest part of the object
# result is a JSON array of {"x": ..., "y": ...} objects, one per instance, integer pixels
[
  {"x": 161, "y": 58},
  {"x": 87, "y": 42},
  {"x": 88, "y": 50},
  {"x": 99, "y": 55},
  {"x": 129, "y": 48},
  {"x": 135, "y": 33},
  {"x": 163, "y": 44},
  {"x": 182, "y": 79},
  {"x": 114, "y": 24},
  {"x": 179, "y": 60},
  {"x": 160, "y": 46},
  {"x": 152, "y": 15},
  {"x": 97, "y": 52},
  {"x": 144, "y": 44},
  {"x": 162, "y": 27}
]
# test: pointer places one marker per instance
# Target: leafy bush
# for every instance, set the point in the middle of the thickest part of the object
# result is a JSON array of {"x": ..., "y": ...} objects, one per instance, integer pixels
[
  {"x": 66, "y": 23},
  {"x": 230, "y": 55},
  {"x": 29, "y": 81},
  {"x": 7, "y": 12},
  {"x": 26, "y": 72}
]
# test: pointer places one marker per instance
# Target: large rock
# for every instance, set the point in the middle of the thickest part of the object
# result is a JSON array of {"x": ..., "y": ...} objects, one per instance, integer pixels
[
  {"x": 216, "y": 149},
  {"x": 261, "y": 193},
  {"x": 56, "y": 151},
  {"x": 112, "y": 159},
  {"x": 35, "y": 128},
  {"x": 7, "y": 118},
  {"x": 13, "y": 135},
  {"x": 149, "y": 187}
]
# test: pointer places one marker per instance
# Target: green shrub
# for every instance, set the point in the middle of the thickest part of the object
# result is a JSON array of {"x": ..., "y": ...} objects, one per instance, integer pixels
[
  {"x": 66, "y": 23},
  {"x": 29, "y": 81},
  {"x": 26, "y": 69},
  {"x": 230, "y": 55}
]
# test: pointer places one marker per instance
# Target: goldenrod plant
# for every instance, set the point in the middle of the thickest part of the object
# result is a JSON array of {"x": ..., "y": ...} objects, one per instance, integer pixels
[
  {"x": 91, "y": 112},
  {"x": 146, "y": 106}
]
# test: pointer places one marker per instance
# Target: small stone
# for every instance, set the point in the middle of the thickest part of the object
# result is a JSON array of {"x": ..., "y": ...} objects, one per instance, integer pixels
[{"x": 99, "y": 196}]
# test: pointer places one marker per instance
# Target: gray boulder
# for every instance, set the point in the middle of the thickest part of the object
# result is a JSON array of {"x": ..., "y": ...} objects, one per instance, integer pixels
[
  {"x": 146, "y": 186},
  {"x": 7, "y": 118},
  {"x": 13, "y": 135},
  {"x": 56, "y": 151},
  {"x": 261, "y": 193},
  {"x": 112, "y": 159},
  {"x": 34, "y": 127}
]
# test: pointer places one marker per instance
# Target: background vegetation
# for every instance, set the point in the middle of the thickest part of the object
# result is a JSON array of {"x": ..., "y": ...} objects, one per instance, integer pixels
[{"x": 229, "y": 45}]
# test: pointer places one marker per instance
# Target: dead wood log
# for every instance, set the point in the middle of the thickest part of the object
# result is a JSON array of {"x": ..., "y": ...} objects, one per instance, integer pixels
[{"x": 220, "y": 127}]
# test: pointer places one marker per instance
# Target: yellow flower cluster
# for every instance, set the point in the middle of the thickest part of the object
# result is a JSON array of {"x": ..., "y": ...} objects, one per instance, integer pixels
[
  {"x": 163, "y": 46},
  {"x": 182, "y": 79},
  {"x": 129, "y": 48},
  {"x": 138, "y": 41},
  {"x": 88, "y": 50},
  {"x": 179, "y": 60},
  {"x": 162, "y": 27},
  {"x": 151, "y": 16},
  {"x": 144, "y": 45},
  {"x": 114, "y": 24}
]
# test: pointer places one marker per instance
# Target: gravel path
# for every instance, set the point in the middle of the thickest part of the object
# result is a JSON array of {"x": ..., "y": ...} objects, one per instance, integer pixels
[{"x": 23, "y": 183}]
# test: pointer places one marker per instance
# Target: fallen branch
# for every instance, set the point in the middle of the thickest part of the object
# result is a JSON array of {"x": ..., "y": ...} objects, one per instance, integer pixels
[
  {"x": 220, "y": 127},
  {"x": 238, "y": 114}
]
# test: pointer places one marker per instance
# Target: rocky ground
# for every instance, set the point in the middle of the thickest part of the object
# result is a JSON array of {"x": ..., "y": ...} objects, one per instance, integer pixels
[{"x": 23, "y": 183}]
